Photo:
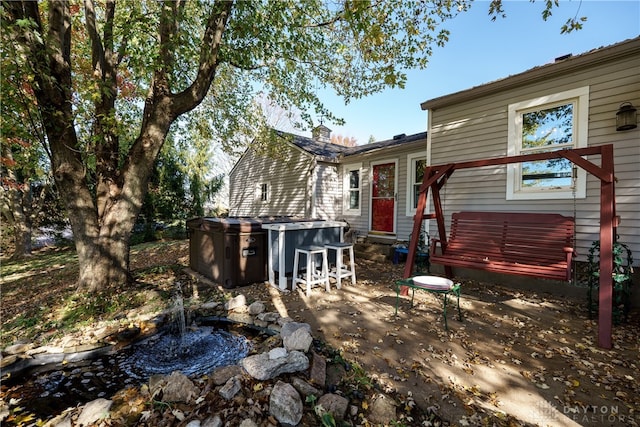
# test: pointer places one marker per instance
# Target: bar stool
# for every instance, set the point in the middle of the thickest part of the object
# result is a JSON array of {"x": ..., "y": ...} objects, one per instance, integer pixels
[
  {"x": 341, "y": 269},
  {"x": 312, "y": 276}
]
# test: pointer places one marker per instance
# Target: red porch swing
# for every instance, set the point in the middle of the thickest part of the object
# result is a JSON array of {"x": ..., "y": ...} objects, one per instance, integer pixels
[{"x": 435, "y": 177}]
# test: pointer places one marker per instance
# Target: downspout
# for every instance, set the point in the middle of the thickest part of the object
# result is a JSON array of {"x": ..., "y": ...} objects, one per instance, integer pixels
[
  {"x": 427, "y": 227},
  {"x": 313, "y": 184}
]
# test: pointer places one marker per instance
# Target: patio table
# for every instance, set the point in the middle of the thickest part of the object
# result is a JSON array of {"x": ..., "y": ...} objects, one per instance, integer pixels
[
  {"x": 284, "y": 238},
  {"x": 435, "y": 285}
]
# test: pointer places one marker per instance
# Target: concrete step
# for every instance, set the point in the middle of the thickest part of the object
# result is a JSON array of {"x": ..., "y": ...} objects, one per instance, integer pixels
[{"x": 373, "y": 251}]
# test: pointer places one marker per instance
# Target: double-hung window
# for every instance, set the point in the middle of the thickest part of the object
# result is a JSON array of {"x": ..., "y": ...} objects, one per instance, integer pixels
[
  {"x": 352, "y": 185},
  {"x": 548, "y": 123},
  {"x": 416, "y": 166},
  {"x": 262, "y": 193}
]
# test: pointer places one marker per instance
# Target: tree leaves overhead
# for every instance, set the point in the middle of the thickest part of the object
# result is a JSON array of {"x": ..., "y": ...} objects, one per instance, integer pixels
[
  {"x": 113, "y": 78},
  {"x": 294, "y": 48}
]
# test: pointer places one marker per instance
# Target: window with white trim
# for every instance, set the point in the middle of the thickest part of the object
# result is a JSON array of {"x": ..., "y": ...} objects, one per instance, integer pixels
[
  {"x": 352, "y": 188},
  {"x": 548, "y": 123},
  {"x": 416, "y": 164},
  {"x": 262, "y": 193}
]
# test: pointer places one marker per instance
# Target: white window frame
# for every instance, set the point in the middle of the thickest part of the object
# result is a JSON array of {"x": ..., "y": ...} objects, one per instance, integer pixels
[
  {"x": 411, "y": 180},
  {"x": 580, "y": 99},
  {"x": 266, "y": 192},
  {"x": 346, "y": 189}
]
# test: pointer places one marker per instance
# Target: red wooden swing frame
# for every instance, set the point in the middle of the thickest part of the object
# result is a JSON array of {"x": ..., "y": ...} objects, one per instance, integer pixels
[{"x": 435, "y": 177}]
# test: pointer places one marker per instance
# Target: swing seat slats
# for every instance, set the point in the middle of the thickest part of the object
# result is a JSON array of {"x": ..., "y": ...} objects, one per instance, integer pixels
[{"x": 527, "y": 244}]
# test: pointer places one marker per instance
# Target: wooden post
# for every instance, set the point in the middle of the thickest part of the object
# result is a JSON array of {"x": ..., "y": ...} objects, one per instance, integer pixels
[
  {"x": 607, "y": 226},
  {"x": 436, "y": 176}
]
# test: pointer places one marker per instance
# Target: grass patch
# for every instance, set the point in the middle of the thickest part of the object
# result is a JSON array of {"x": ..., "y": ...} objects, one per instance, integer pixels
[{"x": 39, "y": 298}]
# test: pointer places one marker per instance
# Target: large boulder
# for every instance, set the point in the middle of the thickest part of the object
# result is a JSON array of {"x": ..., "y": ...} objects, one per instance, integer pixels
[
  {"x": 285, "y": 404},
  {"x": 262, "y": 367}
]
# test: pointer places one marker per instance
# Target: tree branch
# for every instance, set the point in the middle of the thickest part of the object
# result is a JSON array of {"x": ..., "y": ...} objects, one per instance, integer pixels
[
  {"x": 193, "y": 95},
  {"x": 97, "y": 51}
]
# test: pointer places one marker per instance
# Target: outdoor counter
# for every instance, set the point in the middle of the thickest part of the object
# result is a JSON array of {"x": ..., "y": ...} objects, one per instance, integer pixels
[{"x": 283, "y": 238}]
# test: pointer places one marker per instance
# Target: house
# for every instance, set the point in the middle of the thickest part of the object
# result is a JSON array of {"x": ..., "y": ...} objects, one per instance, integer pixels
[
  {"x": 373, "y": 187},
  {"x": 570, "y": 103}
]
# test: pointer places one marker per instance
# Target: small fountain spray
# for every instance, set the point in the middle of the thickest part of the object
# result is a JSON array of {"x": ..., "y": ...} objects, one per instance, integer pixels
[
  {"x": 179, "y": 314},
  {"x": 191, "y": 350}
]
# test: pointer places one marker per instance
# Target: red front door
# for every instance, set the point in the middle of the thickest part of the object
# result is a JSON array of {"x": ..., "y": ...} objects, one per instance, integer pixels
[{"x": 383, "y": 198}]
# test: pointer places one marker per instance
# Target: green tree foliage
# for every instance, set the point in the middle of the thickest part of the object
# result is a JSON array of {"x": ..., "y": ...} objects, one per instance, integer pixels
[
  {"x": 27, "y": 196},
  {"x": 113, "y": 78}
]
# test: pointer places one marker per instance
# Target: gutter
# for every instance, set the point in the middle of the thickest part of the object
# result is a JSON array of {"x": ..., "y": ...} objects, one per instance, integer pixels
[{"x": 618, "y": 51}]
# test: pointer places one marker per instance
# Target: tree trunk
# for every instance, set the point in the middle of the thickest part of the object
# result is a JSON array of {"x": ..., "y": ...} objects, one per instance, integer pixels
[
  {"x": 102, "y": 262},
  {"x": 102, "y": 225},
  {"x": 22, "y": 227},
  {"x": 16, "y": 207}
]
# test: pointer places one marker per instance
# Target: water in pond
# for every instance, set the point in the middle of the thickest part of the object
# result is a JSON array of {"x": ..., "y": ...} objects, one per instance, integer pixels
[
  {"x": 46, "y": 391},
  {"x": 194, "y": 353}
]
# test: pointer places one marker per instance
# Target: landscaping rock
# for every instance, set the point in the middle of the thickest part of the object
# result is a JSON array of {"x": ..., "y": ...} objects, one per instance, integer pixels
[
  {"x": 18, "y": 348},
  {"x": 177, "y": 387},
  {"x": 335, "y": 404},
  {"x": 238, "y": 303},
  {"x": 299, "y": 339},
  {"x": 240, "y": 317},
  {"x": 231, "y": 388},
  {"x": 214, "y": 421},
  {"x": 290, "y": 327},
  {"x": 93, "y": 411},
  {"x": 318, "y": 375},
  {"x": 277, "y": 353},
  {"x": 222, "y": 374},
  {"x": 304, "y": 388},
  {"x": 256, "y": 308},
  {"x": 261, "y": 367},
  {"x": 269, "y": 317},
  {"x": 285, "y": 404},
  {"x": 382, "y": 410}
]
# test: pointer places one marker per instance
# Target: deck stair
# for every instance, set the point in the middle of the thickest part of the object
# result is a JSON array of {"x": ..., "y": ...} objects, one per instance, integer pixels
[{"x": 373, "y": 251}]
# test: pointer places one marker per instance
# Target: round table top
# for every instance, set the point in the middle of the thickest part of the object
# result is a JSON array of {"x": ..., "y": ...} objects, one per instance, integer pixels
[{"x": 433, "y": 282}]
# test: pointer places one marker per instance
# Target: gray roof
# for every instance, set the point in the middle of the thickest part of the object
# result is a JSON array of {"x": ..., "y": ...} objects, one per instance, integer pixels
[
  {"x": 395, "y": 141},
  {"x": 331, "y": 151},
  {"x": 317, "y": 148}
]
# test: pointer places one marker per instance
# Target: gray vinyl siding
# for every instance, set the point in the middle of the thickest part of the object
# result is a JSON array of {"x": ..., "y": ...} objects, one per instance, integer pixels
[
  {"x": 400, "y": 154},
  {"x": 477, "y": 129},
  {"x": 288, "y": 177}
]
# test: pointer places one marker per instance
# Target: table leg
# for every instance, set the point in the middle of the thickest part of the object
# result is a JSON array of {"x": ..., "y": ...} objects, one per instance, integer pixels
[
  {"x": 272, "y": 280},
  {"x": 282, "y": 276}
]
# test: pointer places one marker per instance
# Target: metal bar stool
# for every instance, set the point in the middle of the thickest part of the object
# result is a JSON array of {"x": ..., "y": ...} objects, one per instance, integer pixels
[
  {"x": 341, "y": 269},
  {"x": 313, "y": 275}
]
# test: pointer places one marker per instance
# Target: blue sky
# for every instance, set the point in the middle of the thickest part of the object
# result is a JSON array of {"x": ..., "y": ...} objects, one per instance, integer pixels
[{"x": 480, "y": 51}]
